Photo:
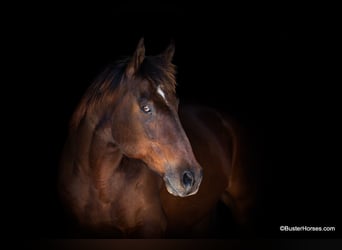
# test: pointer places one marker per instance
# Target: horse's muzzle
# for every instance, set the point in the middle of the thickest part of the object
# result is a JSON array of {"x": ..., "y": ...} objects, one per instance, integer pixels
[{"x": 185, "y": 184}]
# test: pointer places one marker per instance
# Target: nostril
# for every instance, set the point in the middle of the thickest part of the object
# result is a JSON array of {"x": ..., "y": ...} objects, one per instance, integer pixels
[{"x": 188, "y": 179}]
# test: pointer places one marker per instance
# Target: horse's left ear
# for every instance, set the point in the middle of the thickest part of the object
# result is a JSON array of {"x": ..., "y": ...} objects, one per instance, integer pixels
[
  {"x": 137, "y": 59},
  {"x": 169, "y": 52}
]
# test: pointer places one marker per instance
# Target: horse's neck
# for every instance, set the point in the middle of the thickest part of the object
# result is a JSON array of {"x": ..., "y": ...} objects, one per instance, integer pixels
[
  {"x": 107, "y": 165},
  {"x": 97, "y": 150}
]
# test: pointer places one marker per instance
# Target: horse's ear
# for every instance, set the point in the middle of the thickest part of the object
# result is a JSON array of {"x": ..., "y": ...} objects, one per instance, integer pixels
[
  {"x": 169, "y": 52},
  {"x": 137, "y": 59}
]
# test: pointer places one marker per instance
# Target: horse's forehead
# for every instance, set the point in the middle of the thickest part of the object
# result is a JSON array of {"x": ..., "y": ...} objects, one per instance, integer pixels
[
  {"x": 161, "y": 92},
  {"x": 159, "y": 89}
]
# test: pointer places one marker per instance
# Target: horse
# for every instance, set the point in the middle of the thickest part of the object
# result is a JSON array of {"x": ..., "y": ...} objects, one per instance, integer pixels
[{"x": 136, "y": 164}]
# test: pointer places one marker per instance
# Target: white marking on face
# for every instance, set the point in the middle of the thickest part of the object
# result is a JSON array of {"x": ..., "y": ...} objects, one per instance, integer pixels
[{"x": 161, "y": 93}]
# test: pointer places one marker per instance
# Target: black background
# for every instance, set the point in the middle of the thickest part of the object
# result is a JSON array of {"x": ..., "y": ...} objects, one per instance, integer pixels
[{"x": 268, "y": 66}]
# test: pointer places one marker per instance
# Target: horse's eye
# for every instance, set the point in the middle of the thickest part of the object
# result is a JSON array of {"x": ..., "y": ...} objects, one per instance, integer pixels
[{"x": 146, "y": 109}]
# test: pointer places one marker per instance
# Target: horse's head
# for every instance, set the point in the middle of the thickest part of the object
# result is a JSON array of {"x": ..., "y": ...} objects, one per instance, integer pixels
[{"x": 146, "y": 125}]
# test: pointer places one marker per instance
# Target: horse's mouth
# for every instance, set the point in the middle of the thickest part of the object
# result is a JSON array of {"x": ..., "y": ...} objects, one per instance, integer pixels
[{"x": 172, "y": 190}]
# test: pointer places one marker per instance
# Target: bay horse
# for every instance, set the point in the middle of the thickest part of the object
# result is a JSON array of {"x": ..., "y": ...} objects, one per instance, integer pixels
[{"x": 137, "y": 165}]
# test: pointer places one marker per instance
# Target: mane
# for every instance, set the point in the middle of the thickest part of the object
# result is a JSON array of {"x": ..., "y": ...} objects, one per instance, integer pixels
[{"x": 153, "y": 68}]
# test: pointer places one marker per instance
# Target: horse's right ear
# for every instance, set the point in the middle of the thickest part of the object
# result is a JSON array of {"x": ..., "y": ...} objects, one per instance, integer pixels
[
  {"x": 169, "y": 52},
  {"x": 137, "y": 59}
]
